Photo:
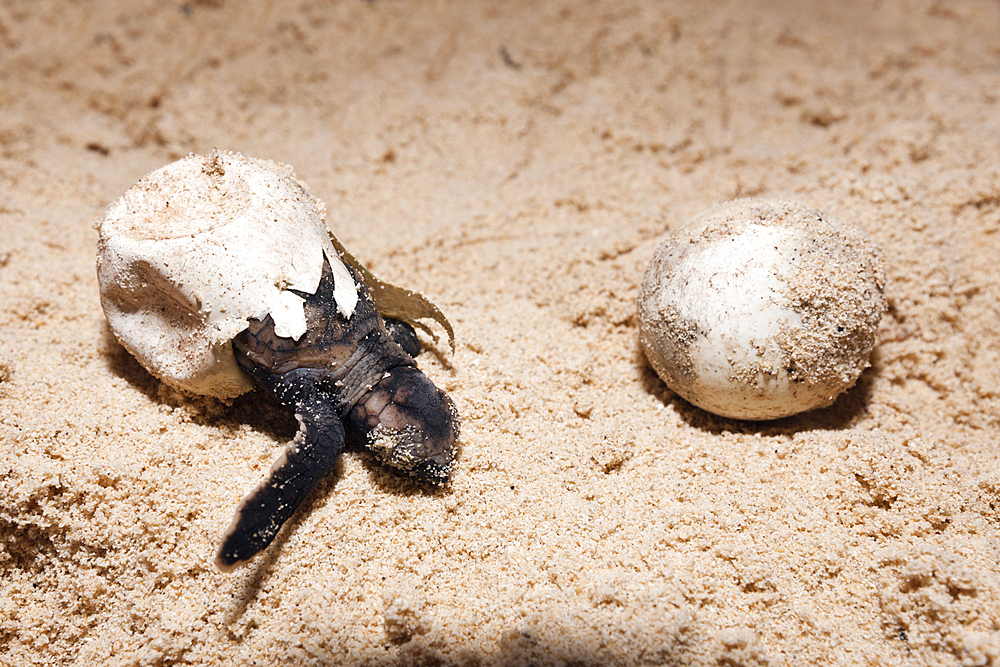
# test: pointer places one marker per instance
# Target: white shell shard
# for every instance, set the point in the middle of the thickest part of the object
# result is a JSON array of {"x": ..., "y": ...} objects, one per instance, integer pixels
[{"x": 195, "y": 248}]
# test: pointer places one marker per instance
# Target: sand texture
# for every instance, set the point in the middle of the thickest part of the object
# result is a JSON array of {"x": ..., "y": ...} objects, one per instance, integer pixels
[{"x": 516, "y": 162}]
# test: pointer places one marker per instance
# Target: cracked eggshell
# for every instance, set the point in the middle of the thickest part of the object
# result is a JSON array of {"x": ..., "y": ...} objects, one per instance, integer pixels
[
  {"x": 760, "y": 309},
  {"x": 197, "y": 247}
]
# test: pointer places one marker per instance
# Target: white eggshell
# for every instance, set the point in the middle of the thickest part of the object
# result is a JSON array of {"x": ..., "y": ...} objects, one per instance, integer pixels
[
  {"x": 195, "y": 248},
  {"x": 761, "y": 309}
]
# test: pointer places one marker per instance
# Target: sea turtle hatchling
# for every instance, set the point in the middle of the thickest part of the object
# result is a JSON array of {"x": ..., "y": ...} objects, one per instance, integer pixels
[
  {"x": 343, "y": 375},
  {"x": 219, "y": 274}
]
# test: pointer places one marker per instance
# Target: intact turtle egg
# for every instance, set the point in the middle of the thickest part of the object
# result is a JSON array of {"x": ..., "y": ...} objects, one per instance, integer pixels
[{"x": 760, "y": 309}]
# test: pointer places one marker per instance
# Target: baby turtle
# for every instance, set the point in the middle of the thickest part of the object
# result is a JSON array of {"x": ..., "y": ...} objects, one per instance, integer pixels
[
  {"x": 346, "y": 379},
  {"x": 189, "y": 288}
]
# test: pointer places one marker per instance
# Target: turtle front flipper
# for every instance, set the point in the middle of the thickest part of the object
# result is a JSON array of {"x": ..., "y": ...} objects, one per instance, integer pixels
[
  {"x": 403, "y": 335},
  {"x": 307, "y": 459}
]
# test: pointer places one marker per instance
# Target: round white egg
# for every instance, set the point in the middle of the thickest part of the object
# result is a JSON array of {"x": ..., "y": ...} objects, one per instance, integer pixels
[{"x": 760, "y": 309}]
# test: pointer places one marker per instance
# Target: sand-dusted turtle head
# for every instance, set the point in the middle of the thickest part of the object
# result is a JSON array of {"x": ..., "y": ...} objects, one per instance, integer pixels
[{"x": 409, "y": 424}]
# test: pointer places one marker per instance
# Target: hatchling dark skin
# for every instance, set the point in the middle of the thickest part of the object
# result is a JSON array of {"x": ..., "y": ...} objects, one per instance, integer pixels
[{"x": 345, "y": 379}]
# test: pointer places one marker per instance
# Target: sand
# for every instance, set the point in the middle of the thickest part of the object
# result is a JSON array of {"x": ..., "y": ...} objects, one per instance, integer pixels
[{"x": 517, "y": 163}]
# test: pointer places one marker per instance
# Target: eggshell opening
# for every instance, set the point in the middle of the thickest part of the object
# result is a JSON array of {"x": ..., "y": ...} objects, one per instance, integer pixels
[{"x": 197, "y": 247}]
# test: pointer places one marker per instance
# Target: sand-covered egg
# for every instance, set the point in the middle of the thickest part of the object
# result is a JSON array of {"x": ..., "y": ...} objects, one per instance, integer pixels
[
  {"x": 760, "y": 309},
  {"x": 197, "y": 247}
]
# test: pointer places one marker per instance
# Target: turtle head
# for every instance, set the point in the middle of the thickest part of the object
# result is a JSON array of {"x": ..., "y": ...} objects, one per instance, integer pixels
[{"x": 409, "y": 424}]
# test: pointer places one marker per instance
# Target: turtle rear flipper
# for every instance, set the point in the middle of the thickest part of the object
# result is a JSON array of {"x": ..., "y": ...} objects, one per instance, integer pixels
[{"x": 307, "y": 459}]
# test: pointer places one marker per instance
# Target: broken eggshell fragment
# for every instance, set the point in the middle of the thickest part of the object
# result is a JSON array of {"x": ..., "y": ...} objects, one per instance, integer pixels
[{"x": 197, "y": 247}]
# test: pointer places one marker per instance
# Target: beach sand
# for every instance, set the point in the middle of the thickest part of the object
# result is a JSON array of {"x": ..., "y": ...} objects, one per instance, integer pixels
[{"x": 517, "y": 163}]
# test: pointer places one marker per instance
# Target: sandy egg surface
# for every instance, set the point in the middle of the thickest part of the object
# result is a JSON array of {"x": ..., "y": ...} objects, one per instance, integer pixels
[{"x": 760, "y": 309}]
